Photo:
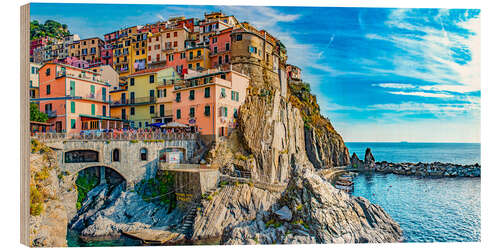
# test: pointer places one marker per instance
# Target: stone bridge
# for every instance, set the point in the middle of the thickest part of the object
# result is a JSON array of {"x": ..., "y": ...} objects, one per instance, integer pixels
[{"x": 133, "y": 159}]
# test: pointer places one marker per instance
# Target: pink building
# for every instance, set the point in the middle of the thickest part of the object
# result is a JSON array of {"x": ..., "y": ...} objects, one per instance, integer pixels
[
  {"x": 178, "y": 61},
  {"x": 107, "y": 55},
  {"x": 220, "y": 48},
  {"x": 75, "y": 99},
  {"x": 293, "y": 72},
  {"x": 75, "y": 62},
  {"x": 210, "y": 101}
]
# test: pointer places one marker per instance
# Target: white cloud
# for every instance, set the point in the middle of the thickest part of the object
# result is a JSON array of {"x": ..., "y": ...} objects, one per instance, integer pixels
[
  {"x": 395, "y": 85},
  {"x": 422, "y": 94}
]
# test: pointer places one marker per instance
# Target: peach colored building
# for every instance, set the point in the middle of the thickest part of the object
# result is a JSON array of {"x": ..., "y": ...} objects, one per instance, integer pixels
[
  {"x": 210, "y": 100},
  {"x": 178, "y": 61},
  {"x": 75, "y": 99}
]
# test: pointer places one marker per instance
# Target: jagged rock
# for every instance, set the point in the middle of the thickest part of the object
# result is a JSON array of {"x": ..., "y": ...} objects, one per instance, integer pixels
[
  {"x": 284, "y": 213},
  {"x": 232, "y": 205},
  {"x": 106, "y": 212},
  {"x": 355, "y": 161},
  {"x": 321, "y": 214},
  {"x": 369, "y": 159}
]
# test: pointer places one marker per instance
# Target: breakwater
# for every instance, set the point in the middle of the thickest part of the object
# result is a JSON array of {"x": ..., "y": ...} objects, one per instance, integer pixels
[{"x": 435, "y": 169}]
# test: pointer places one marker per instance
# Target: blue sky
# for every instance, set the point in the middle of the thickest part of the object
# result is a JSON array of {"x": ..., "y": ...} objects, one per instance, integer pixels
[{"x": 379, "y": 74}]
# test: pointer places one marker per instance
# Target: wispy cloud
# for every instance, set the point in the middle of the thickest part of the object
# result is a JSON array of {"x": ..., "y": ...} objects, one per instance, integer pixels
[{"x": 422, "y": 94}]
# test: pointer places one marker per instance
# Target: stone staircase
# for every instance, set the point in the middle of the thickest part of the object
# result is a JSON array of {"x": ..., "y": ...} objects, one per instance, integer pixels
[{"x": 187, "y": 224}]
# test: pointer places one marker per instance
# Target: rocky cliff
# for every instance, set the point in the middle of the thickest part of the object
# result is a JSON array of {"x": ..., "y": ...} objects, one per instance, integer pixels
[
  {"x": 312, "y": 211},
  {"x": 52, "y": 199}
]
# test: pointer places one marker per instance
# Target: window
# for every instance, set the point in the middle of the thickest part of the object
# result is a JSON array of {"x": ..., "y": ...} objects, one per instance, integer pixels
[
  {"x": 215, "y": 50},
  {"x": 227, "y": 46},
  {"x": 191, "y": 112},
  {"x": 48, "y": 89},
  {"x": 47, "y": 72},
  {"x": 232, "y": 95},
  {"x": 220, "y": 59},
  {"x": 235, "y": 113},
  {"x": 144, "y": 154},
  {"x": 73, "y": 123},
  {"x": 191, "y": 94},
  {"x": 136, "y": 52},
  {"x": 237, "y": 96},
  {"x": 132, "y": 81},
  {"x": 223, "y": 111},
  {"x": 207, "y": 92},
  {"x": 175, "y": 33},
  {"x": 178, "y": 97},
  {"x": 116, "y": 155},
  {"x": 151, "y": 79},
  {"x": 168, "y": 35},
  {"x": 190, "y": 66},
  {"x": 178, "y": 114},
  {"x": 73, "y": 107},
  {"x": 226, "y": 58},
  {"x": 92, "y": 109},
  {"x": 239, "y": 37},
  {"x": 132, "y": 110},
  {"x": 207, "y": 110},
  {"x": 103, "y": 110},
  {"x": 175, "y": 43},
  {"x": 32, "y": 70},
  {"x": 183, "y": 55},
  {"x": 223, "y": 92},
  {"x": 198, "y": 53},
  {"x": 151, "y": 109},
  {"x": 214, "y": 40}
]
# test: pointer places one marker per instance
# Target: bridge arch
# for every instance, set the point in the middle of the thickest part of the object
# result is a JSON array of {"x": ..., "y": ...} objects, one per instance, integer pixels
[
  {"x": 105, "y": 173},
  {"x": 81, "y": 156}
]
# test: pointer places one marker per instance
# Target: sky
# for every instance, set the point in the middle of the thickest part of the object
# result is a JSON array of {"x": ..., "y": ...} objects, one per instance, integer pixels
[{"x": 379, "y": 74}]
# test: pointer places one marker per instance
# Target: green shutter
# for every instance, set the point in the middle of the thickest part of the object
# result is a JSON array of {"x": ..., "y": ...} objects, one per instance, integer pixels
[
  {"x": 72, "y": 107},
  {"x": 104, "y": 94},
  {"x": 92, "y": 89},
  {"x": 73, "y": 123},
  {"x": 93, "y": 109},
  {"x": 72, "y": 88}
]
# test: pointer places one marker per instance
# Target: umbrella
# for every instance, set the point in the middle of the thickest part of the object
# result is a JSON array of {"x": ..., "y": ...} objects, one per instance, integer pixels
[
  {"x": 158, "y": 124},
  {"x": 174, "y": 125}
]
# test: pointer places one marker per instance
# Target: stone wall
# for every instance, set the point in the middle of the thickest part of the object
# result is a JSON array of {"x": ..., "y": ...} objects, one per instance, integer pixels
[{"x": 130, "y": 166}]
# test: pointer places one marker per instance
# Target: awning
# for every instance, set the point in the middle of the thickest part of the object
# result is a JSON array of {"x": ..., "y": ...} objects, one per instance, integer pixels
[
  {"x": 158, "y": 124},
  {"x": 98, "y": 117},
  {"x": 174, "y": 125}
]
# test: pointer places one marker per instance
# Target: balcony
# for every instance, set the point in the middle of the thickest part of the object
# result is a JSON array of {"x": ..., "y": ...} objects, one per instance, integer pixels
[
  {"x": 167, "y": 49},
  {"x": 195, "y": 58},
  {"x": 143, "y": 100},
  {"x": 122, "y": 102},
  {"x": 51, "y": 113}
]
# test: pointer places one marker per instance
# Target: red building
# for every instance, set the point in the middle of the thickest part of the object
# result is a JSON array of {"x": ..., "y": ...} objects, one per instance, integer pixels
[
  {"x": 220, "y": 48},
  {"x": 107, "y": 54}
]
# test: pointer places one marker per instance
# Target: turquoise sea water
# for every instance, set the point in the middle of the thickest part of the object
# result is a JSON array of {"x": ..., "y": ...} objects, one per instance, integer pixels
[
  {"x": 428, "y": 210},
  {"x": 460, "y": 153}
]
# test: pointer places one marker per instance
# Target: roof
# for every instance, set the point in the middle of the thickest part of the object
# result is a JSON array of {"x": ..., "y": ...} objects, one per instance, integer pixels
[
  {"x": 41, "y": 123},
  {"x": 146, "y": 71}
]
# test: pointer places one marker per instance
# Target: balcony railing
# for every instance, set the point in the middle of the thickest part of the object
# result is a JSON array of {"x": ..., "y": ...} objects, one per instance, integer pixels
[
  {"x": 167, "y": 49},
  {"x": 122, "y": 102},
  {"x": 143, "y": 100},
  {"x": 124, "y": 135},
  {"x": 195, "y": 58},
  {"x": 51, "y": 113}
]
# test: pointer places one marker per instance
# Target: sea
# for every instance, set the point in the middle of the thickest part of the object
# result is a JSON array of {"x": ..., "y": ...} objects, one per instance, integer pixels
[
  {"x": 459, "y": 153},
  {"x": 427, "y": 209}
]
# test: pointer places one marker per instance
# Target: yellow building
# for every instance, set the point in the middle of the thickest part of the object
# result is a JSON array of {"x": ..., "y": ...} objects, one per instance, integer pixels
[
  {"x": 146, "y": 95},
  {"x": 119, "y": 104},
  {"x": 197, "y": 58},
  {"x": 122, "y": 55},
  {"x": 139, "y": 55}
]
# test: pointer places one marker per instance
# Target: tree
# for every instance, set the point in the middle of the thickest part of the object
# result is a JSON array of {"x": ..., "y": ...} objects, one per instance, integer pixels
[{"x": 36, "y": 115}]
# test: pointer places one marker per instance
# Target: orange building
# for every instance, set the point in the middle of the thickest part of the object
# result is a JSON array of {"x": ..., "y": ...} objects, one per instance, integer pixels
[
  {"x": 75, "y": 99},
  {"x": 210, "y": 100}
]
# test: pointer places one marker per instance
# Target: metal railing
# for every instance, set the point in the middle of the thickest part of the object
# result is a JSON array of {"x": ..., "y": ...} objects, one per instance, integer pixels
[
  {"x": 97, "y": 135},
  {"x": 51, "y": 113}
]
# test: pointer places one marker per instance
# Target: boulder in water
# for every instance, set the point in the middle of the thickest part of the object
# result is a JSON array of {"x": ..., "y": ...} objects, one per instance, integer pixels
[{"x": 369, "y": 159}]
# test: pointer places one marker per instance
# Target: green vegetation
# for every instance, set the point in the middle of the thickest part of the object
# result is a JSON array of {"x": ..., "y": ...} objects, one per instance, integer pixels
[
  {"x": 240, "y": 156},
  {"x": 301, "y": 222},
  {"x": 273, "y": 223},
  {"x": 36, "y": 115},
  {"x": 84, "y": 183},
  {"x": 159, "y": 190},
  {"x": 156, "y": 140},
  {"x": 302, "y": 98},
  {"x": 299, "y": 207},
  {"x": 134, "y": 141},
  {"x": 50, "y": 28},
  {"x": 36, "y": 201}
]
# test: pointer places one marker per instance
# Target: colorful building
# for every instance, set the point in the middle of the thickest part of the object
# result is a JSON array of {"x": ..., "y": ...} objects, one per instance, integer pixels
[
  {"x": 138, "y": 53},
  {"x": 34, "y": 91},
  {"x": 293, "y": 72},
  {"x": 75, "y": 99},
  {"x": 88, "y": 50},
  {"x": 122, "y": 55},
  {"x": 142, "y": 94},
  {"x": 156, "y": 59},
  {"x": 220, "y": 48},
  {"x": 198, "y": 58},
  {"x": 210, "y": 101}
]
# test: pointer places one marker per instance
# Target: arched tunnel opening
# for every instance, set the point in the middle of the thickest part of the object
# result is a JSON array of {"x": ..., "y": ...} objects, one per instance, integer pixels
[{"x": 90, "y": 178}]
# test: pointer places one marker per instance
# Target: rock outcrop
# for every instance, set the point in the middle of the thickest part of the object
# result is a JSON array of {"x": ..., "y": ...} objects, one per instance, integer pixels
[
  {"x": 53, "y": 198},
  {"x": 369, "y": 159},
  {"x": 319, "y": 214},
  {"x": 107, "y": 211},
  {"x": 356, "y": 162},
  {"x": 231, "y": 206}
]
